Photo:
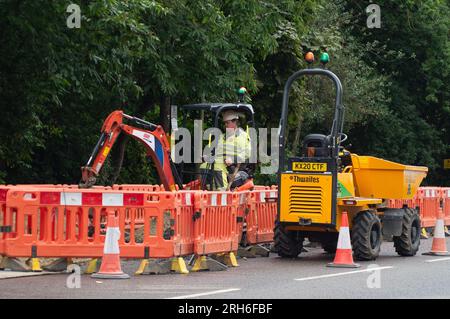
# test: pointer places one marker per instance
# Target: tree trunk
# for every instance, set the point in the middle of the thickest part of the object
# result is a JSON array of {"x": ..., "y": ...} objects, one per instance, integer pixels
[
  {"x": 164, "y": 113},
  {"x": 146, "y": 104}
]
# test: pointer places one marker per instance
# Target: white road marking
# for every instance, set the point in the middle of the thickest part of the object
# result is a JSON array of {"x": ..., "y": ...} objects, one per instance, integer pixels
[
  {"x": 434, "y": 260},
  {"x": 6, "y": 274},
  {"x": 343, "y": 273},
  {"x": 215, "y": 292}
]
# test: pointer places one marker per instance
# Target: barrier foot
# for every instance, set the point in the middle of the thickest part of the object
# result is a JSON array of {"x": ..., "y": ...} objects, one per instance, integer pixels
[
  {"x": 162, "y": 266},
  {"x": 92, "y": 266},
  {"x": 227, "y": 259},
  {"x": 260, "y": 251},
  {"x": 424, "y": 234},
  {"x": 36, "y": 265},
  {"x": 253, "y": 251},
  {"x": 199, "y": 264},
  {"x": 206, "y": 263},
  {"x": 179, "y": 266},
  {"x": 142, "y": 267},
  {"x": 232, "y": 260},
  {"x": 14, "y": 264},
  {"x": 58, "y": 265},
  {"x": 245, "y": 252}
]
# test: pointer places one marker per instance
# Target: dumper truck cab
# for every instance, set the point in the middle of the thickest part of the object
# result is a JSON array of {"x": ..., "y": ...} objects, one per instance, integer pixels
[{"x": 324, "y": 180}]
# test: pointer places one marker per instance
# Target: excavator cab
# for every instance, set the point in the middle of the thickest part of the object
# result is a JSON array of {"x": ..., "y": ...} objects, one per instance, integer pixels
[{"x": 213, "y": 112}]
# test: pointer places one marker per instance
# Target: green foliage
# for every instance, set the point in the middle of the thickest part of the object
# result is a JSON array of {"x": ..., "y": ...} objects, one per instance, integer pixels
[
  {"x": 57, "y": 84},
  {"x": 413, "y": 50},
  {"x": 312, "y": 99}
]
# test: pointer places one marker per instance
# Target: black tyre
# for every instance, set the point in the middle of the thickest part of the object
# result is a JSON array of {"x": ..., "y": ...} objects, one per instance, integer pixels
[
  {"x": 288, "y": 244},
  {"x": 407, "y": 244},
  {"x": 329, "y": 243},
  {"x": 329, "y": 247},
  {"x": 366, "y": 236}
]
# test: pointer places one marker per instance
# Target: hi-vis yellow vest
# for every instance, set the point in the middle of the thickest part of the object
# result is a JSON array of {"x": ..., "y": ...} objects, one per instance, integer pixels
[{"x": 236, "y": 146}]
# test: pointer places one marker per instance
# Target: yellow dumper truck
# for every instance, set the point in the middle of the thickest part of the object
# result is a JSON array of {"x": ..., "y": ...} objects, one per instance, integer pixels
[{"x": 326, "y": 180}]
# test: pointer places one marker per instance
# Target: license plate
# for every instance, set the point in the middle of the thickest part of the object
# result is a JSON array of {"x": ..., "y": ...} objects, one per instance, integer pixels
[{"x": 309, "y": 167}]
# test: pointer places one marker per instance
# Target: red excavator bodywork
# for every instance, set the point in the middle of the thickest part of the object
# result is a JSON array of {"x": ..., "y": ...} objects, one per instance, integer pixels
[{"x": 150, "y": 135}]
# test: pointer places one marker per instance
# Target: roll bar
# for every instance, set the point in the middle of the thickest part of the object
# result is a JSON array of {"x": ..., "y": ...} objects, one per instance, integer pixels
[{"x": 338, "y": 121}]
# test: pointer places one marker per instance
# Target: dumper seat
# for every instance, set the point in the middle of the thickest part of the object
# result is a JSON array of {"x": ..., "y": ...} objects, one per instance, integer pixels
[{"x": 316, "y": 145}]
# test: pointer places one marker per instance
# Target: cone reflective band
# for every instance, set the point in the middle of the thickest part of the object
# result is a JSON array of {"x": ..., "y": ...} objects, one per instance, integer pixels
[
  {"x": 111, "y": 241},
  {"x": 344, "y": 242},
  {"x": 439, "y": 246},
  {"x": 110, "y": 268},
  {"x": 344, "y": 257}
]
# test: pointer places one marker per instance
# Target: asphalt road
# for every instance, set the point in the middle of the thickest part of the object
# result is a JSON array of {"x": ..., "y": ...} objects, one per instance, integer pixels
[{"x": 262, "y": 278}]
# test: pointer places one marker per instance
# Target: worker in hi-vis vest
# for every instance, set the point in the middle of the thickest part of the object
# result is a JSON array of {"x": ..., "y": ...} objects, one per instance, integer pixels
[{"x": 231, "y": 157}]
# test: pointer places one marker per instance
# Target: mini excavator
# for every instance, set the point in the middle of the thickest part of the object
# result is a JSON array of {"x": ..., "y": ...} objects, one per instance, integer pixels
[
  {"x": 152, "y": 136},
  {"x": 156, "y": 143}
]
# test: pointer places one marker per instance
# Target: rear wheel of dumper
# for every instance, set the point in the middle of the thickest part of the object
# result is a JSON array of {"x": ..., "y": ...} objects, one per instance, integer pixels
[
  {"x": 407, "y": 244},
  {"x": 288, "y": 244},
  {"x": 366, "y": 236}
]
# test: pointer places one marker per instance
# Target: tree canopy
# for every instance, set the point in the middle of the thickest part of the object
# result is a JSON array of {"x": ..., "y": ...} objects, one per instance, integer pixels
[{"x": 57, "y": 84}]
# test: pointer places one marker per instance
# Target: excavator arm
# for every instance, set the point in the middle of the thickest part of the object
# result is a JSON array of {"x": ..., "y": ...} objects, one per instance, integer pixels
[{"x": 150, "y": 135}]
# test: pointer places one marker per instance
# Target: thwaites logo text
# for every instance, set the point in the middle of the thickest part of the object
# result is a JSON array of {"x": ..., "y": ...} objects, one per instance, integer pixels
[{"x": 309, "y": 179}]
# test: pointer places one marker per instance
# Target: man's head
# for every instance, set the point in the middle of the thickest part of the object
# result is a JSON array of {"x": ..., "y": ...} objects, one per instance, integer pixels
[{"x": 230, "y": 118}]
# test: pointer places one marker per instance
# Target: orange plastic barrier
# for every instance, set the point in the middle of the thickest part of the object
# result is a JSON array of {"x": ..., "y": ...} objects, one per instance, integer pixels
[
  {"x": 3, "y": 225},
  {"x": 216, "y": 223},
  {"x": 184, "y": 225},
  {"x": 261, "y": 217},
  {"x": 411, "y": 203},
  {"x": 428, "y": 199},
  {"x": 399, "y": 203},
  {"x": 139, "y": 218},
  {"x": 260, "y": 187},
  {"x": 242, "y": 212},
  {"x": 138, "y": 187},
  {"x": 445, "y": 193},
  {"x": 67, "y": 222},
  {"x": 72, "y": 186}
]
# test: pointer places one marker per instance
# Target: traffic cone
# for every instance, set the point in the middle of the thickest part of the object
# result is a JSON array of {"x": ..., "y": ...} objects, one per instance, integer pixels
[
  {"x": 439, "y": 246},
  {"x": 110, "y": 267},
  {"x": 344, "y": 257}
]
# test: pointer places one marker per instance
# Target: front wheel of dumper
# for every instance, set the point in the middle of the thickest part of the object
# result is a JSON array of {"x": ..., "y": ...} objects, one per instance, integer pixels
[
  {"x": 288, "y": 244},
  {"x": 366, "y": 236}
]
